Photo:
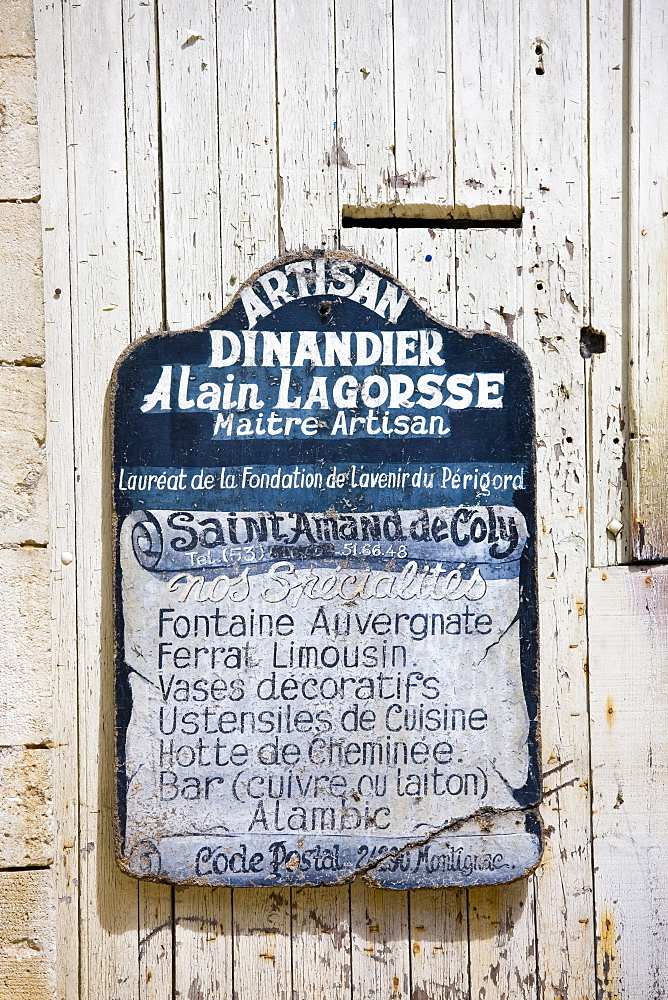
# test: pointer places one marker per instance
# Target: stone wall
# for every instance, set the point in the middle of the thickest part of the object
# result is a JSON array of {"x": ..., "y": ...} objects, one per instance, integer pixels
[{"x": 26, "y": 834}]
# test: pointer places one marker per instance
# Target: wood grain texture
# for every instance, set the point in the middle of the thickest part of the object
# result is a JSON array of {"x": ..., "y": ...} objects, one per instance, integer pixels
[
  {"x": 628, "y": 631},
  {"x": 156, "y": 941},
  {"x": 203, "y": 943},
  {"x": 555, "y": 293},
  {"x": 262, "y": 952},
  {"x": 191, "y": 182},
  {"x": 61, "y": 475},
  {"x": 142, "y": 117},
  {"x": 423, "y": 92},
  {"x": 486, "y": 106},
  {"x": 502, "y": 941},
  {"x": 438, "y": 944},
  {"x": 365, "y": 79},
  {"x": 380, "y": 946},
  {"x": 501, "y": 919},
  {"x": 188, "y": 72},
  {"x": 145, "y": 225},
  {"x": 607, "y": 373},
  {"x": 489, "y": 285},
  {"x": 95, "y": 107},
  {"x": 321, "y": 943},
  {"x": 648, "y": 297},
  {"x": 307, "y": 125},
  {"x": 426, "y": 265},
  {"x": 248, "y": 148}
]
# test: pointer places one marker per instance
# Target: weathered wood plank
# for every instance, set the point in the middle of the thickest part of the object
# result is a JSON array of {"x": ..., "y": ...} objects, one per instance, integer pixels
[
  {"x": 247, "y": 140},
  {"x": 423, "y": 103},
  {"x": 262, "y": 953},
  {"x": 308, "y": 217},
  {"x": 502, "y": 941},
  {"x": 191, "y": 183},
  {"x": 648, "y": 299},
  {"x": 143, "y": 159},
  {"x": 203, "y": 939},
  {"x": 607, "y": 374},
  {"x": 99, "y": 262},
  {"x": 438, "y": 937},
  {"x": 311, "y": 158},
  {"x": 61, "y": 475},
  {"x": 321, "y": 943},
  {"x": 156, "y": 939},
  {"x": 628, "y": 631},
  {"x": 377, "y": 245},
  {"x": 555, "y": 293},
  {"x": 307, "y": 126},
  {"x": 380, "y": 954},
  {"x": 426, "y": 265},
  {"x": 489, "y": 281},
  {"x": 486, "y": 105},
  {"x": 146, "y": 316},
  {"x": 365, "y": 103}
]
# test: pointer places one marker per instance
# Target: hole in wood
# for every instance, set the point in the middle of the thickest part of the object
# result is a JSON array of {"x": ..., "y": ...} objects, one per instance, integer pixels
[
  {"x": 591, "y": 342},
  {"x": 394, "y": 215},
  {"x": 325, "y": 308}
]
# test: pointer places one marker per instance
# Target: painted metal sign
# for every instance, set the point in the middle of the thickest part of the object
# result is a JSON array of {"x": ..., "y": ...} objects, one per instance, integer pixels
[{"x": 326, "y": 622}]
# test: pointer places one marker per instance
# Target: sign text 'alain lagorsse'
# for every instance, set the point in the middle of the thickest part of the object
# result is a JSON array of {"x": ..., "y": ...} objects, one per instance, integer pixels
[{"x": 325, "y": 592}]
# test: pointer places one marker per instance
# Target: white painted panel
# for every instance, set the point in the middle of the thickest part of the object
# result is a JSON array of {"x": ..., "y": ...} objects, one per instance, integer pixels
[
  {"x": 143, "y": 166},
  {"x": 607, "y": 373},
  {"x": 262, "y": 953},
  {"x": 61, "y": 476},
  {"x": 648, "y": 295},
  {"x": 100, "y": 331},
  {"x": 146, "y": 316},
  {"x": 189, "y": 119},
  {"x": 554, "y": 243},
  {"x": 247, "y": 139},
  {"x": 423, "y": 102},
  {"x": 427, "y": 267},
  {"x": 307, "y": 127},
  {"x": 365, "y": 103},
  {"x": 628, "y": 631},
  {"x": 489, "y": 286},
  {"x": 486, "y": 105},
  {"x": 321, "y": 943},
  {"x": 203, "y": 955}
]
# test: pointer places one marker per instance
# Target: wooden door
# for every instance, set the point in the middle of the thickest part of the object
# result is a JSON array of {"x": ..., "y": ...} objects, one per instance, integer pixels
[{"x": 184, "y": 145}]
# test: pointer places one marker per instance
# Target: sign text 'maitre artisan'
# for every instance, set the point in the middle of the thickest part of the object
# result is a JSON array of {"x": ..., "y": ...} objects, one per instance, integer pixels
[{"x": 325, "y": 592}]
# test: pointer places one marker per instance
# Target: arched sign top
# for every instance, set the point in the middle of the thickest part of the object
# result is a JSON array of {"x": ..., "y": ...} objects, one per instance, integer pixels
[{"x": 325, "y": 591}]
